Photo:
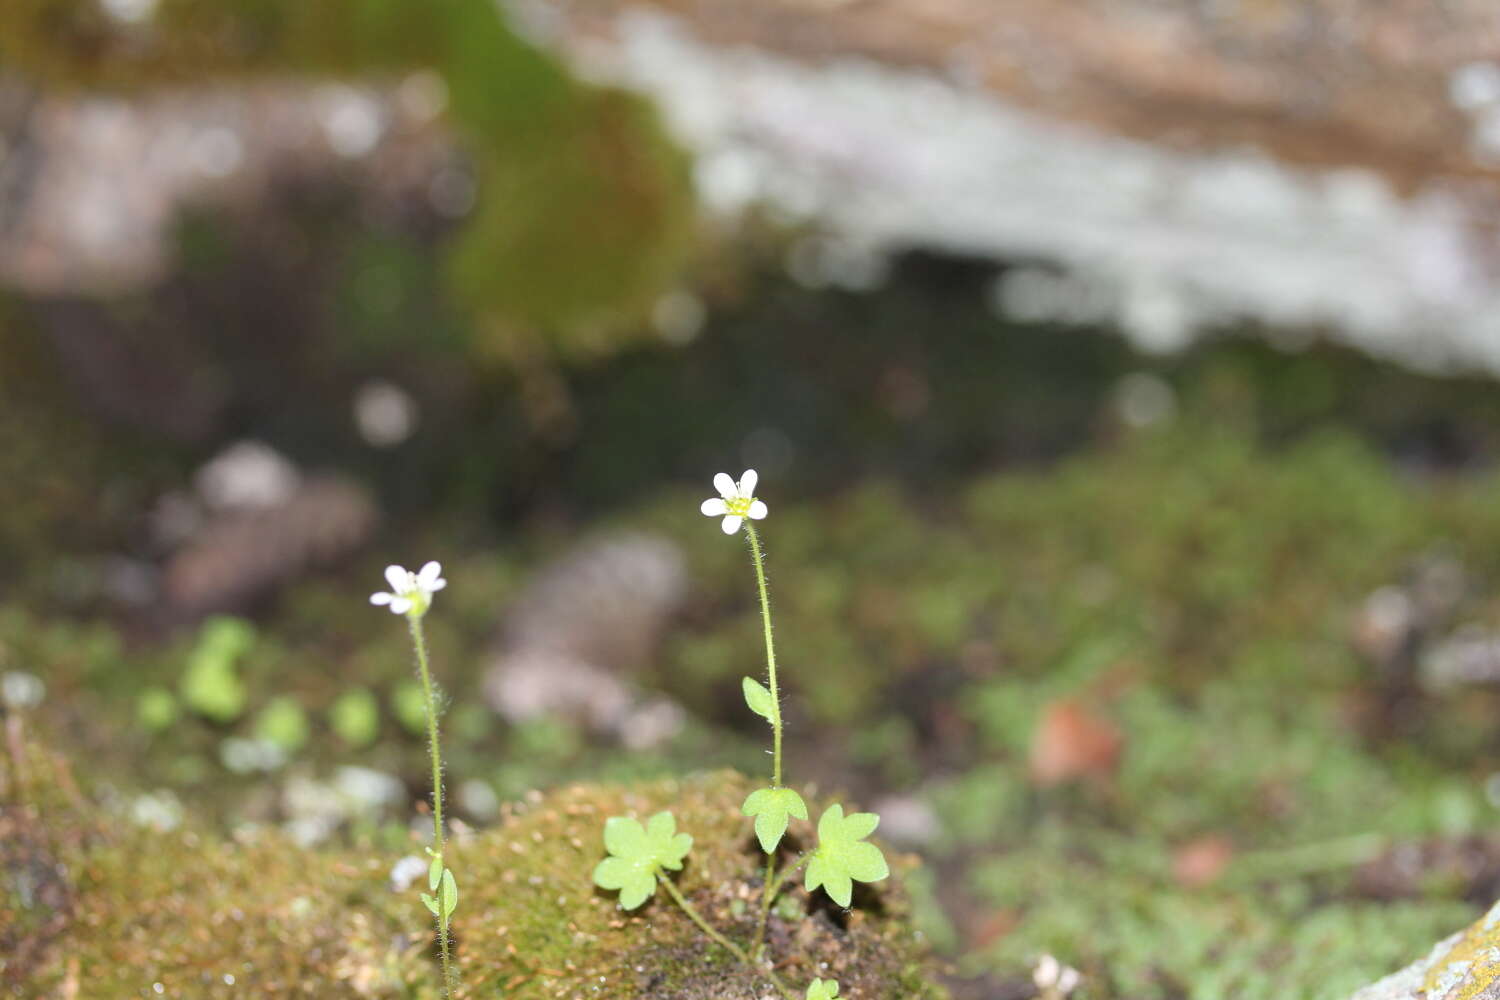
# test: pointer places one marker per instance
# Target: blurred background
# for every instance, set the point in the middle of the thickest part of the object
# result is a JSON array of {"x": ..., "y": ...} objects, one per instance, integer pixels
[{"x": 1120, "y": 375}]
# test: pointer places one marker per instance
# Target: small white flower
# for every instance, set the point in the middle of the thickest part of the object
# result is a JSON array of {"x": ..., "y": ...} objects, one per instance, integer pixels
[
  {"x": 735, "y": 502},
  {"x": 410, "y": 593}
]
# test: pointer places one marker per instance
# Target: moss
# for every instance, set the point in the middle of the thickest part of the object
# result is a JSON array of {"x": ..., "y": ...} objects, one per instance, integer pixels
[{"x": 207, "y": 917}]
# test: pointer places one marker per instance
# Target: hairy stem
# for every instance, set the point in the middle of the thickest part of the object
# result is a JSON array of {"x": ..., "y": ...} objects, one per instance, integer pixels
[
  {"x": 718, "y": 938},
  {"x": 419, "y": 642},
  {"x": 774, "y": 881},
  {"x": 765, "y": 617}
]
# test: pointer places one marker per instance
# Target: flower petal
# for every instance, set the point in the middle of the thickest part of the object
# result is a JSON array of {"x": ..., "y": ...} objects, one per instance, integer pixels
[
  {"x": 747, "y": 483},
  {"x": 714, "y": 507},
  {"x": 725, "y": 486},
  {"x": 380, "y": 598},
  {"x": 398, "y": 578},
  {"x": 758, "y": 510},
  {"x": 436, "y": 585},
  {"x": 400, "y": 605},
  {"x": 731, "y": 524},
  {"x": 429, "y": 573}
]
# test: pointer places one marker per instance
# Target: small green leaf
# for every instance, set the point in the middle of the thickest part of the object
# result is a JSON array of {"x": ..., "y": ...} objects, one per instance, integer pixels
[
  {"x": 773, "y": 809},
  {"x": 355, "y": 717},
  {"x": 435, "y": 872},
  {"x": 156, "y": 709},
  {"x": 284, "y": 723},
  {"x": 842, "y": 856},
  {"x": 823, "y": 989},
  {"x": 409, "y": 705},
  {"x": 211, "y": 685},
  {"x": 759, "y": 699},
  {"x": 430, "y": 903},
  {"x": 638, "y": 853},
  {"x": 450, "y": 894}
]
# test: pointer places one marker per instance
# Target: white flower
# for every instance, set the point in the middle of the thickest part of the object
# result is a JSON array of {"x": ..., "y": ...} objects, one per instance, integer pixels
[
  {"x": 735, "y": 502},
  {"x": 411, "y": 593}
]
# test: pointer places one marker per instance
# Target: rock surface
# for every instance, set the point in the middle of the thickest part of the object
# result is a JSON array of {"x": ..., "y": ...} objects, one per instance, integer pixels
[
  {"x": 1465, "y": 966},
  {"x": 1321, "y": 167},
  {"x": 588, "y": 620}
]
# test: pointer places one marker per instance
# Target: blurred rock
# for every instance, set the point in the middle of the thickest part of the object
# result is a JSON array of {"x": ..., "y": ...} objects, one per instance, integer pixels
[
  {"x": 530, "y": 683},
  {"x": 1465, "y": 966},
  {"x": 240, "y": 554},
  {"x": 90, "y": 184},
  {"x": 585, "y": 622},
  {"x": 1470, "y": 656},
  {"x": 406, "y": 872},
  {"x": 1395, "y": 623},
  {"x": 315, "y": 808},
  {"x": 1308, "y": 166},
  {"x": 907, "y": 821},
  {"x": 1410, "y": 869},
  {"x": 247, "y": 475}
]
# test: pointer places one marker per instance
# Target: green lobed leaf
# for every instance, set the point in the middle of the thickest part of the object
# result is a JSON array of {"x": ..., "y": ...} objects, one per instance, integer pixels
[
  {"x": 823, "y": 989},
  {"x": 759, "y": 699},
  {"x": 430, "y": 903},
  {"x": 842, "y": 856},
  {"x": 773, "y": 809},
  {"x": 435, "y": 872},
  {"x": 638, "y": 853}
]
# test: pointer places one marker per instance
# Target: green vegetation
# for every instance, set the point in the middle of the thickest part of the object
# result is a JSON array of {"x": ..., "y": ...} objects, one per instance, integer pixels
[
  {"x": 279, "y": 919},
  {"x": 1195, "y": 588},
  {"x": 642, "y": 857},
  {"x": 978, "y": 558}
]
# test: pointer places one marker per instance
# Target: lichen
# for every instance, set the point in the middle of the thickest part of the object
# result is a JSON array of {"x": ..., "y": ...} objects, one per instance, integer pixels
[{"x": 1469, "y": 968}]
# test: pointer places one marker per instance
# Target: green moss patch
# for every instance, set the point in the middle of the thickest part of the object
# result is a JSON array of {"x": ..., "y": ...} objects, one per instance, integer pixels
[{"x": 95, "y": 900}]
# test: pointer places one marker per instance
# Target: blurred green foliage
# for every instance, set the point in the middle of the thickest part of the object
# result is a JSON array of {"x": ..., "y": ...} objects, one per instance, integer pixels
[
  {"x": 211, "y": 685},
  {"x": 585, "y": 212},
  {"x": 157, "y": 710},
  {"x": 410, "y": 707},
  {"x": 355, "y": 717},
  {"x": 283, "y": 722}
]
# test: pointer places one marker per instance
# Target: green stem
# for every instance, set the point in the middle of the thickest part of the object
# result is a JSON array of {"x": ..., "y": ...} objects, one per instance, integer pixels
[
  {"x": 765, "y": 616},
  {"x": 718, "y": 938},
  {"x": 774, "y": 881},
  {"x": 419, "y": 642}
]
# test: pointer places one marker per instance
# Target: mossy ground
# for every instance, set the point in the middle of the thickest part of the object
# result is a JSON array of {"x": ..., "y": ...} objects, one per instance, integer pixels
[
  {"x": 980, "y": 536},
  {"x": 109, "y": 909},
  {"x": 1197, "y": 585}
]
